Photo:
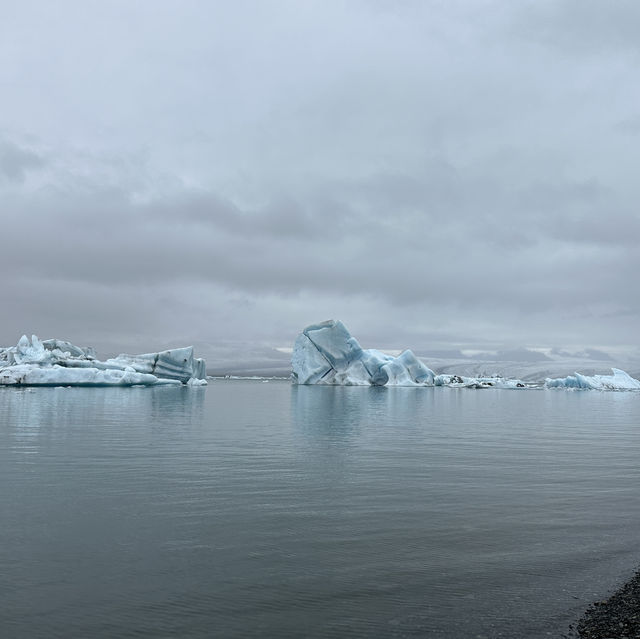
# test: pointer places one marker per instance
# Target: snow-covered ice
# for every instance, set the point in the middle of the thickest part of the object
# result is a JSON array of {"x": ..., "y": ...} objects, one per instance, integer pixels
[
  {"x": 618, "y": 381},
  {"x": 56, "y": 362}
]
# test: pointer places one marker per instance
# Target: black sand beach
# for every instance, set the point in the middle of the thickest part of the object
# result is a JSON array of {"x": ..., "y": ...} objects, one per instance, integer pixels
[{"x": 617, "y": 617}]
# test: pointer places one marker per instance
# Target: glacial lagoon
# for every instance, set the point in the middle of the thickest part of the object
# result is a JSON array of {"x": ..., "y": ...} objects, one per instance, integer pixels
[{"x": 267, "y": 509}]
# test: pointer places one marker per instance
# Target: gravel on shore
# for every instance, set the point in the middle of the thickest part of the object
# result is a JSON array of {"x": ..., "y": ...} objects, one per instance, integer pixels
[{"x": 617, "y": 617}]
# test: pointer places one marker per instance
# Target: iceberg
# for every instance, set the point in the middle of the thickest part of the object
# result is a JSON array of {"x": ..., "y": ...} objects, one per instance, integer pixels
[
  {"x": 619, "y": 381},
  {"x": 326, "y": 353},
  {"x": 56, "y": 362}
]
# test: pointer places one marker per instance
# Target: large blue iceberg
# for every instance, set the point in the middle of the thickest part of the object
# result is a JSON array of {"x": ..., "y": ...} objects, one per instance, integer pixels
[
  {"x": 56, "y": 362},
  {"x": 326, "y": 353}
]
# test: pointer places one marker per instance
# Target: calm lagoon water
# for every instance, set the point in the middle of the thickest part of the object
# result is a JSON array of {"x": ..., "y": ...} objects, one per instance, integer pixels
[{"x": 263, "y": 509}]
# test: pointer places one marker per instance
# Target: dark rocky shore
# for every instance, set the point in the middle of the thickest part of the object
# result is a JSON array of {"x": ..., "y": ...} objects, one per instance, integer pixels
[{"x": 617, "y": 617}]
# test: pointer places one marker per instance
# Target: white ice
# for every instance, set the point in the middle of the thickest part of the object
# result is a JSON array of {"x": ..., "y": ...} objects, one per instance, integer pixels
[
  {"x": 60, "y": 363},
  {"x": 618, "y": 381},
  {"x": 461, "y": 381}
]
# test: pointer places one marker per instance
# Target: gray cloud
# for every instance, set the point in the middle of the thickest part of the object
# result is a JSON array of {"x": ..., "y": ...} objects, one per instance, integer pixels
[
  {"x": 17, "y": 161},
  {"x": 437, "y": 175},
  {"x": 583, "y": 26}
]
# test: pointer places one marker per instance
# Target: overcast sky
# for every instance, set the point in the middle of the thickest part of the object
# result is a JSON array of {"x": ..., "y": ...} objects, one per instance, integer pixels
[{"x": 437, "y": 174}]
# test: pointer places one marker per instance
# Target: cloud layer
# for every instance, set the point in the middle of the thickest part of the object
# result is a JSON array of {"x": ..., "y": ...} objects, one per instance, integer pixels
[{"x": 437, "y": 175}]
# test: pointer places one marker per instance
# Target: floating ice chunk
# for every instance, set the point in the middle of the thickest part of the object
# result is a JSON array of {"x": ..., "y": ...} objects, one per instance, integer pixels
[
  {"x": 501, "y": 382},
  {"x": 30, "y": 375},
  {"x": 460, "y": 381},
  {"x": 60, "y": 363},
  {"x": 618, "y": 381},
  {"x": 194, "y": 381},
  {"x": 327, "y": 353}
]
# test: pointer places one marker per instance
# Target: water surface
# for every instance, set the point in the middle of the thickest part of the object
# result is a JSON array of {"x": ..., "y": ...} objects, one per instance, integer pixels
[{"x": 262, "y": 509}]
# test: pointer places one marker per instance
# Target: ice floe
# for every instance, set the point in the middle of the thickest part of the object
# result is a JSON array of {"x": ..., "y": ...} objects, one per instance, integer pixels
[
  {"x": 460, "y": 381},
  {"x": 56, "y": 362},
  {"x": 619, "y": 381}
]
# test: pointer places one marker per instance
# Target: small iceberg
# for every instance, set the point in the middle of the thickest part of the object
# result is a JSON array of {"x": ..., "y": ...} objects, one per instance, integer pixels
[
  {"x": 56, "y": 362},
  {"x": 459, "y": 381},
  {"x": 619, "y": 381}
]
